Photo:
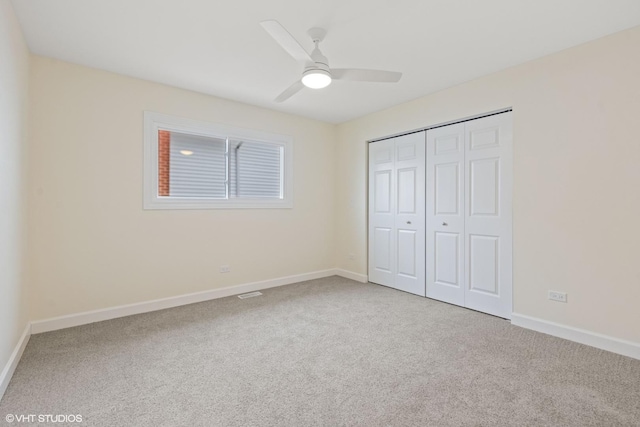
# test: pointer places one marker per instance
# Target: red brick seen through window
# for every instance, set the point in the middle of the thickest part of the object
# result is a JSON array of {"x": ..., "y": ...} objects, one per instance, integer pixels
[{"x": 164, "y": 145}]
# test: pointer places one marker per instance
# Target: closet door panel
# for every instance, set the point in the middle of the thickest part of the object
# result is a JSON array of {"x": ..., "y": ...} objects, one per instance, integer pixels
[
  {"x": 445, "y": 213},
  {"x": 382, "y": 238},
  {"x": 488, "y": 189},
  {"x": 381, "y": 212},
  {"x": 447, "y": 259},
  {"x": 410, "y": 213}
]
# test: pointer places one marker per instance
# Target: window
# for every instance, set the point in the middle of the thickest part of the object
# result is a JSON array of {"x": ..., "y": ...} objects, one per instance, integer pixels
[{"x": 197, "y": 165}]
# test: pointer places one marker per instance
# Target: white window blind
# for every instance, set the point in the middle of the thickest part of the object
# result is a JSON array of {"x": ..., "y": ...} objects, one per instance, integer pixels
[
  {"x": 255, "y": 169},
  {"x": 197, "y": 166},
  {"x": 205, "y": 167}
]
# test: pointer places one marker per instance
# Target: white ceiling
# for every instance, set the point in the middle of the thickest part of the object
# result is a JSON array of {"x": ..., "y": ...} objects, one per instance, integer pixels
[{"x": 218, "y": 47}]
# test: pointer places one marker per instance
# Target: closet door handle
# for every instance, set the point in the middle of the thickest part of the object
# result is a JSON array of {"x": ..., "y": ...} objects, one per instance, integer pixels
[{"x": 445, "y": 224}]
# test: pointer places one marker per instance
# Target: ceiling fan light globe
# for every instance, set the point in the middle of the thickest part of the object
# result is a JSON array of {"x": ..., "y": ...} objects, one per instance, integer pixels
[{"x": 316, "y": 79}]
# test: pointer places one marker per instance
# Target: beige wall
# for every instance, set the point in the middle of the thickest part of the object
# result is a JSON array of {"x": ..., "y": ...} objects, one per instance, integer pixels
[
  {"x": 93, "y": 246},
  {"x": 576, "y": 178},
  {"x": 14, "y": 72}
]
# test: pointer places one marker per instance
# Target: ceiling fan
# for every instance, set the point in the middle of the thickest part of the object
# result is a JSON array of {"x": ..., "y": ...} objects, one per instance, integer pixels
[{"x": 317, "y": 74}]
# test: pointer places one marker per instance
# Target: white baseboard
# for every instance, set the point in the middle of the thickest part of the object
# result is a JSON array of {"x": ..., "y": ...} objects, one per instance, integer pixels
[
  {"x": 87, "y": 317},
  {"x": 582, "y": 336},
  {"x": 351, "y": 275},
  {"x": 10, "y": 367}
]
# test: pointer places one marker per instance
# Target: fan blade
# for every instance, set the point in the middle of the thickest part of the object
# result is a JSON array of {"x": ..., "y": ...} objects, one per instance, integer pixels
[
  {"x": 358, "y": 75},
  {"x": 290, "y": 91},
  {"x": 286, "y": 40}
]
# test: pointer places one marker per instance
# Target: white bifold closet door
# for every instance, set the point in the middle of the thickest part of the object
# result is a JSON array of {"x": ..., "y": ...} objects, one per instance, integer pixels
[
  {"x": 397, "y": 213},
  {"x": 469, "y": 186},
  {"x": 445, "y": 214}
]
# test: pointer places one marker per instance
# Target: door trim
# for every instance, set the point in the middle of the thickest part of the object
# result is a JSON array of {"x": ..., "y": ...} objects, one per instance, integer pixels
[{"x": 451, "y": 122}]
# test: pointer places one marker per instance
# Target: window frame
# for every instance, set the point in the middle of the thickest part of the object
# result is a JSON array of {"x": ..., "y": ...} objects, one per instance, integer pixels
[{"x": 157, "y": 121}]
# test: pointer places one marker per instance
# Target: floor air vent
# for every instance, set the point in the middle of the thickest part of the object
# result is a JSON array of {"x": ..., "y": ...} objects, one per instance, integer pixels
[{"x": 250, "y": 295}]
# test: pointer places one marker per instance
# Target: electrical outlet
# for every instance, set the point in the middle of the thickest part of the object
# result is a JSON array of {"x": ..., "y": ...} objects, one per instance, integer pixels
[
  {"x": 557, "y": 296},
  {"x": 225, "y": 269}
]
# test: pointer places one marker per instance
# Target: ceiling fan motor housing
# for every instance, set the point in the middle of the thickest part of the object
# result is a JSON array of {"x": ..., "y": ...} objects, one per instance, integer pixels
[
  {"x": 320, "y": 62},
  {"x": 317, "y": 66}
]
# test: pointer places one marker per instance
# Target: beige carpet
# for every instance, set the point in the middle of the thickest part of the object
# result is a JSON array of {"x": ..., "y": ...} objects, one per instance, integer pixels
[{"x": 328, "y": 352}]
